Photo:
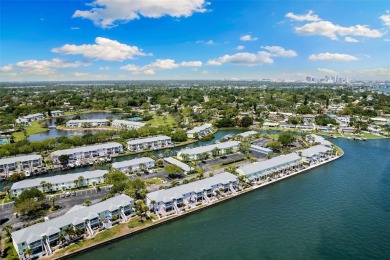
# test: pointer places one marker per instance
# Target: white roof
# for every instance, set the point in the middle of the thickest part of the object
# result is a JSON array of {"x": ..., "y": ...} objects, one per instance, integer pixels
[
  {"x": 267, "y": 164},
  {"x": 314, "y": 150},
  {"x": 33, "y": 115},
  {"x": 88, "y": 121},
  {"x": 149, "y": 139},
  {"x": 199, "y": 128},
  {"x": 197, "y": 186},
  {"x": 132, "y": 162},
  {"x": 86, "y": 148},
  {"x": 125, "y": 122},
  {"x": 178, "y": 163},
  {"x": 22, "y": 158},
  {"x": 58, "y": 179},
  {"x": 35, "y": 232},
  {"x": 247, "y": 133},
  {"x": 209, "y": 148},
  {"x": 321, "y": 140},
  {"x": 256, "y": 147},
  {"x": 270, "y": 124}
]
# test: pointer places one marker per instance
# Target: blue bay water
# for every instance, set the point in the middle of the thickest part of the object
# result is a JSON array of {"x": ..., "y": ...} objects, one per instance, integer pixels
[{"x": 338, "y": 211}]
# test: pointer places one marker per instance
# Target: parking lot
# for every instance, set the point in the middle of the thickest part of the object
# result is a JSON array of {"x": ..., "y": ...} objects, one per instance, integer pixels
[{"x": 206, "y": 164}]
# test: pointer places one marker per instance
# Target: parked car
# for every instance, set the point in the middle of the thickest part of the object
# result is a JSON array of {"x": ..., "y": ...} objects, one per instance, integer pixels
[
  {"x": 3, "y": 220},
  {"x": 98, "y": 189},
  {"x": 67, "y": 194},
  {"x": 73, "y": 193},
  {"x": 62, "y": 195}
]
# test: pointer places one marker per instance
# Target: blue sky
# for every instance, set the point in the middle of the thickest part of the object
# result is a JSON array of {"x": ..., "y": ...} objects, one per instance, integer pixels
[{"x": 193, "y": 39}]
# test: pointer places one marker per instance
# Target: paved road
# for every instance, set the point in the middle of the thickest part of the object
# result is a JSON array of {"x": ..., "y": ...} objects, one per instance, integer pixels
[{"x": 6, "y": 210}]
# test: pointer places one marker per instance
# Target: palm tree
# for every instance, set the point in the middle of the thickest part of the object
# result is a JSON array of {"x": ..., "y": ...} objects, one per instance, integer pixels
[
  {"x": 142, "y": 166},
  {"x": 8, "y": 231},
  {"x": 200, "y": 176},
  {"x": 76, "y": 182},
  {"x": 81, "y": 181},
  {"x": 53, "y": 200},
  {"x": 49, "y": 186},
  {"x": 153, "y": 202},
  {"x": 215, "y": 151},
  {"x": 130, "y": 169},
  {"x": 87, "y": 202},
  {"x": 7, "y": 189},
  {"x": 186, "y": 157},
  {"x": 29, "y": 253},
  {"x": 229, "y": 150},
  {"x": 43, "y": 184}
]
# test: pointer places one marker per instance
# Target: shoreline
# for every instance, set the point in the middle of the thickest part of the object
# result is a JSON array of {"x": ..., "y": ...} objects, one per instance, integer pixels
[{"x": 188, "y": 212}]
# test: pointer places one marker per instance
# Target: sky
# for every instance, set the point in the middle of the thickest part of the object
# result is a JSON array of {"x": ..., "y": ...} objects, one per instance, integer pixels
[{"x": 193, "y": 39}]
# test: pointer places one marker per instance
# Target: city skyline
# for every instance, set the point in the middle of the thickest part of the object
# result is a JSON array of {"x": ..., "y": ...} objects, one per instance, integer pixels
[{"x": 194, "y": 39}]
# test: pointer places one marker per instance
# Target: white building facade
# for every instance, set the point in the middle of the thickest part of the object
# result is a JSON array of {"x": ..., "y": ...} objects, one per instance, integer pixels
[
  {"x": 19, "y": 164},
  {"x": 142, "y": 163},
  {"x": 150, "y": 143},
  {"x": 88, "y": 123},
  {"x": 124, "y": 124},
  {"x": 200, "y": 130},
  {"x": 91, "y": 151},
  {"x": 220, "y": 149}
]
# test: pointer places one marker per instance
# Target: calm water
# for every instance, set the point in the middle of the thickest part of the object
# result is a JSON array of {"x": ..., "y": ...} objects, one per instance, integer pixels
[
  {"x": 53, "y": 132},
  {"x": 338, "y": 211}
]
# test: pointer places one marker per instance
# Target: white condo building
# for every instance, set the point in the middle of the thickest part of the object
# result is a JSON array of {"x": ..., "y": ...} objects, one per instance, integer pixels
[
  {"x": 200, "y": 130},
  {"x": 171, "y": 199},
  {"x": 315, "y": 153},
  {"x": 91, "y": 151},
  {"x": 19, "y": 163},
  {"x": 87, "y": 123},
  {"x": 257, "y": 170},
  {"x": 44, "y": 238},
  {"x": 136, "y": 164},
  {"x": 60, "y": 183},
  {"x": 222, "y": 148},
  {"x": 149, "y": 143},
  {"x": 124, "y": 124}
]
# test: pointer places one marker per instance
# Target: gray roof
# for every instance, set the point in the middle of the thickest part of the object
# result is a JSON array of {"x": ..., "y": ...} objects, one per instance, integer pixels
[
  {"x": 197, "y": 186},
  {"x": 321, "y": 140},
  {"x": 199, "y": 128},
  {"x": 132, "y": 162},
  {"x": 209, "y": 148},
  {"x": 88, "y": 121},
  {"x": 178, "y": 163},
  {"x": 314, "y": 150},
  {"x": 59, "y": 179},
  {"x": 149, "y": 139},
  {"x": 86, "y": 148},
  {"x": 33, "y": 115},
  {"x": 129, "y": 122},
  {"x": 52, "y": 226},
  {"x": 22, "y": 158},
  {"x": 57, "y": 111},
  {"x": 247, "y": 133},
  {"x": 267, "y": 164}
]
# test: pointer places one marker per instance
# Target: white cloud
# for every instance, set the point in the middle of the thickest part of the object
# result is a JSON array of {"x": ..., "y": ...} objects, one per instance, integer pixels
[
  {"x": 81, "y": 74},
  {"x": 333, "y": 31},
  {"x": 332, "y": 57},
  {"x": 205, "y": 72},
  {"x": 240, "y": 47},
  {"x": 104, "y": 49},
  {"x": 159, "y": 64},
  {"x": 310, "y": 16},
  {"x": 109, "y": 13},
  {"x": 375, "y": 72},
  {"x": 210, "y": 42},
  {"x": 350, "y": 39},
  {"x": 104, "y": 68},
  {"x": 6, "y": 68},
  {"x": 243, "y": 58},
  {"x": 46, "y": 67},
  {"x": 385, "y": 19},
  {"x": 278, "y": 51},
  {"x": 327, "y": 71},
  {"x": 248, "y": 37},
  {"x": 191, "y": 64}
]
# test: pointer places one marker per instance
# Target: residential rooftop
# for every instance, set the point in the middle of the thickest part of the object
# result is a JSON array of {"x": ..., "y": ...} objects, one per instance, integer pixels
[
  {"x": 199, "y": 128},
  {"x": 29, "y": 183},
  {"x": 23, "y": 158},
  {"x": 148, "y": 139},
  {"x": 132, "y": 162},
  {"x": 86, "y": 148},
  {"x": 197, "y": 186},
  {"x": 209, "y": 148},
  {"x": 178, "y": 163}
]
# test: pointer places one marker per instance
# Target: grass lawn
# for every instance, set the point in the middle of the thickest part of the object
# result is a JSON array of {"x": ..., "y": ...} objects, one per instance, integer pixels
[
  {"x": 9, "y": 250},
  {"x": 34, "y": 128},
  {"x": 154, "y": 181},
  {"x": 160, "y": 121}
]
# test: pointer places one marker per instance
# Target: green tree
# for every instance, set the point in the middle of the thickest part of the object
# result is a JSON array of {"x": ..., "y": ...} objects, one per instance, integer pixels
[
  {"x": 172, "y": 170},
  {"x": 29, "y": 202},
  {"x": 7, "y": 229},
  {"x": 136, "y": 188},
  {"x": 286, "y": 138},
  {"x": 53, "y": 200},
  {"x": 7, "y": 189},
  {"x": 274, "y": 145},
  {"x": 141, "y": 209},
  {"x": 246, "y": 121},
  {"x": 64, "y": 158},
  {"x": 87, "y": 202}
]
